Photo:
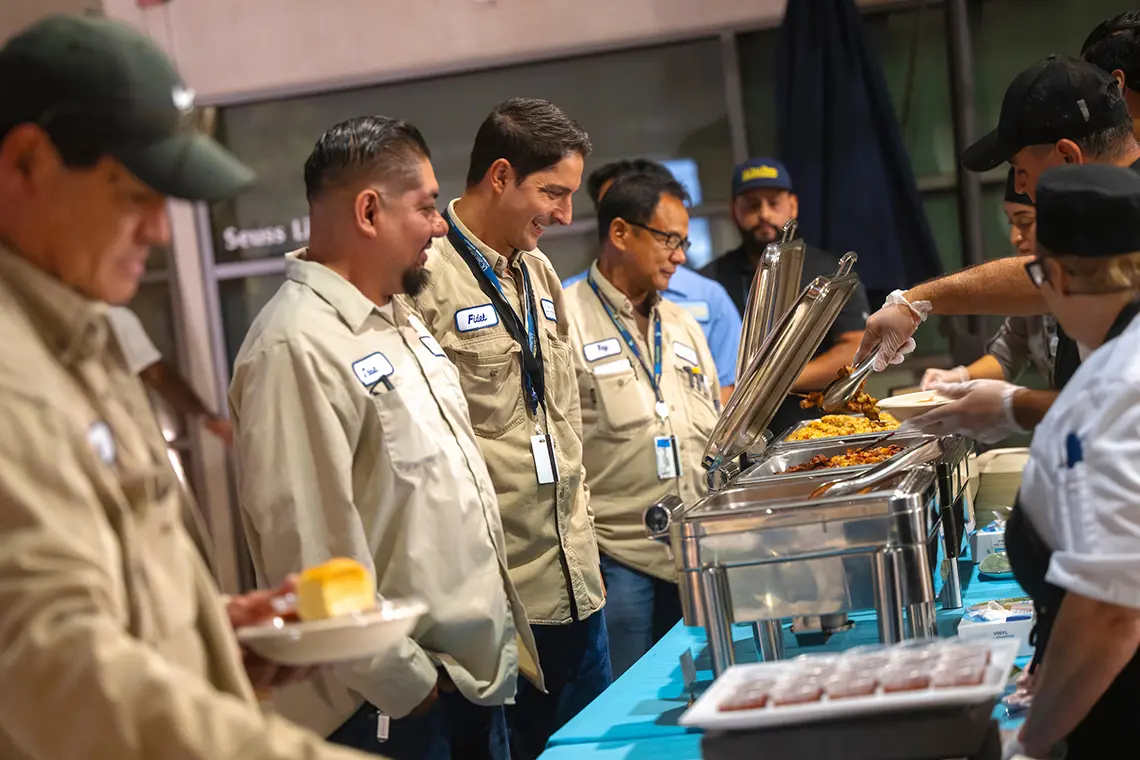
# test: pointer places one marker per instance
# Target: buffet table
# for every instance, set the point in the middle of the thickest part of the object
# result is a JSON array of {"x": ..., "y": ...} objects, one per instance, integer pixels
[{"x": 637, "y": 716}]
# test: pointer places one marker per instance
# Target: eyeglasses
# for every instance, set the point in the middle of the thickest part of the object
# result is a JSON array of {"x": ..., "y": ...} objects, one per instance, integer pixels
[
  {"x": 672, "y": 240},
  {"x": 1036, "y": 271}
]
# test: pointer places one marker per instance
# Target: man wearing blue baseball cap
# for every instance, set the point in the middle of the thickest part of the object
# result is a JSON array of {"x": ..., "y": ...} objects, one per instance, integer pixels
[{"x": 763, "y": 201}]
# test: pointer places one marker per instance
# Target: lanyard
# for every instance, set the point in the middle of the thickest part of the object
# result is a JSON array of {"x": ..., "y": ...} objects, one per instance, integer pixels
[
  {"x": 525, "y": 330},
  {"x": 655, "y": 376}
]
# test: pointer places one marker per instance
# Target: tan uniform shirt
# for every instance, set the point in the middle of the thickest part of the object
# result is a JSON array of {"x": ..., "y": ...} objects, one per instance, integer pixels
[
  {"x": 620, "y": 422},
  {"x": 138, "y": 349},
  {"x": 113, "y": 637},
  {"x": 334, "y": 463},
  {"x": 551, "y": 548}
]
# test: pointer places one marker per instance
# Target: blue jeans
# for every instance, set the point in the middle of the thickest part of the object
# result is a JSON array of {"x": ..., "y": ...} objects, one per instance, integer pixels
[
  {"x": 575, "y": 661},
  {"x": 639, "y": 610},
  {"x": 452, "y": 728}
]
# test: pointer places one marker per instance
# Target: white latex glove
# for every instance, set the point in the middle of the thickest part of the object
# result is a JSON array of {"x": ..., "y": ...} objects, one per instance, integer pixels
[
  {"x": 890, "y": 329},
  {"x": 932, "y": 376},
  {"x": 983, "y": 409},
  {"x": 1012, "y": 750}
]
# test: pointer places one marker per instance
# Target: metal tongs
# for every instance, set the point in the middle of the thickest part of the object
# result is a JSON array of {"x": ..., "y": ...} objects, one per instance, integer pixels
[
  {"x": 841, "y": 391},
  {"x": 927, "y": 452}
]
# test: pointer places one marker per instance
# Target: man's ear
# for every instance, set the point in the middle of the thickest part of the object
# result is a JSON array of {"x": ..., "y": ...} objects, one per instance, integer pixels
[
  {"x": 1118, "y": 75},
  {"x": 1070, "y": 152},
  {"x": 620, "y": 232},
  {"x": 500, "y": 174},
  {"x": 366, "y": 211}
]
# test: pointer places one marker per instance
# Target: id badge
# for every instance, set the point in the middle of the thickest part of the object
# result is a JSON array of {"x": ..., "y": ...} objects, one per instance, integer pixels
[
  {"x": 545, "y": 465},
  {"x": 668, "y": 463}
]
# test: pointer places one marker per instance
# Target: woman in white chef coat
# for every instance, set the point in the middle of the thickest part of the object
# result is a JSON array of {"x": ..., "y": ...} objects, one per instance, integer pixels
[{"x": 1074, "y": 536}]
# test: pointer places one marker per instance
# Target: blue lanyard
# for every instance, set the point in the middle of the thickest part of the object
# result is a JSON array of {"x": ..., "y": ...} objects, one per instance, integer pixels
[
  {"x": 528, "y": 324},
  {"x": 655, "y": 377}
]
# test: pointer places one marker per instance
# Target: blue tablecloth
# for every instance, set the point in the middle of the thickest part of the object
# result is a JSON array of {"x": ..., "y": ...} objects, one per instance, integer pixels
[{"x": 645, "y": 703}]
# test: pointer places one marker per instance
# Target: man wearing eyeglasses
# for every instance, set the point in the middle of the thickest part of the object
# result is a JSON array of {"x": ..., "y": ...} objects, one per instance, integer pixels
[
  {"x": 763, "y": 201},
  {"x": 650, "y": 399}
]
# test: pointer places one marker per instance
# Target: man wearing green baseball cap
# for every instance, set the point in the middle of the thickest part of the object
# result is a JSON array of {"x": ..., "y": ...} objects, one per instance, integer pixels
[{"x": 116, "y": 641}]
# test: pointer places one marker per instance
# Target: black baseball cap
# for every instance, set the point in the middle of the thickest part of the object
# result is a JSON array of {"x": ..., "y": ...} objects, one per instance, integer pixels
[
  {"x": 1058, "y": 98},
  {"x": 1089, "y": 210},
  {"x": 112, "y": 84}
]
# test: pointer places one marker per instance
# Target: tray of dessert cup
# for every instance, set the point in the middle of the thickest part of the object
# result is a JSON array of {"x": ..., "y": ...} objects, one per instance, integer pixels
[{"x": 914, "y": 675}]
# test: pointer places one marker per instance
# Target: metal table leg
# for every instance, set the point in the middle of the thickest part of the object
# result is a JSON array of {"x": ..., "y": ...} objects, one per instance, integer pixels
[
  {"x": 888, "y": 596},
  {"x": 922, "y": 620},
  {"x": 718, "y": 617},
  {"x": 952, "y": 586},
  {"x": 769, "y": 638}
]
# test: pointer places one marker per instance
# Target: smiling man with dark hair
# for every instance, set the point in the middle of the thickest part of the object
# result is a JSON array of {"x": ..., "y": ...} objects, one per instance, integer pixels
[
  {"x": 495, "y": 304},
  {"x": 353, "y": 440}
]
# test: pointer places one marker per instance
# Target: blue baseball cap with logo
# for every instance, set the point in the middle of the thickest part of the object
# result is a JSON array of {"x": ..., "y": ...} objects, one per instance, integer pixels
[{"x": 760, "y": 173}]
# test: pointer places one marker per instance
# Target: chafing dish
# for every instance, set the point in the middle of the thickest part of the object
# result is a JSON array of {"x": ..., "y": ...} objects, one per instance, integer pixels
[
  {"x": 774, "y": 290},
  {"x": 784, "y": 437},
  {"x": 764, "y": 552},
  {"x": 779, "y": 459},
  {"x": 775, "y": 366}
]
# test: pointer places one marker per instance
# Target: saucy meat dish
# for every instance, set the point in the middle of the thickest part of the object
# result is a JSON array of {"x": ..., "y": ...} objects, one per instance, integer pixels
[{"x": 853, "y": 458}]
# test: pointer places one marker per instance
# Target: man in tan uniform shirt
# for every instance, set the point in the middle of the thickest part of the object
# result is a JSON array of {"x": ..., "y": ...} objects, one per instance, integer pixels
[
  {"x": 495, "y": 304},
  {"x": 354, "y": 440},
  {"x": 649, "y": 400},
  {"x": 115, "y": 642}
]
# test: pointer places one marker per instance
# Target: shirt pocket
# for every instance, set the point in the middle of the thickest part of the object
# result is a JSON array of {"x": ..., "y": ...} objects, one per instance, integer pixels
[
  {"x": 159, "y": 568},
  {"x": 490, "y": 373},
  {"x": 407, "y": 427},
  {"x": 1074, "y": 513},
  {"x": 561, "y": 378},
  {"x": 699, "y": 402},
  {"x": 624, "y": 402}
]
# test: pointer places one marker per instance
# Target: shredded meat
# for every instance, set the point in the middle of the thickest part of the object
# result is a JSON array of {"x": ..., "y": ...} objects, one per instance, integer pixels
[
  {"x": 861, "y": 403},
  {"x": 853, "y": 458}
]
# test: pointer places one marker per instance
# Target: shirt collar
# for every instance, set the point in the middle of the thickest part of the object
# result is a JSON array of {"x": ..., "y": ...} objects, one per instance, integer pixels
[
  {"x": 497, "y": 260},
  {"x": 350, "y": 304},
  {"x": 615, "y": 297},
  {"x": 75, "y": 326}
]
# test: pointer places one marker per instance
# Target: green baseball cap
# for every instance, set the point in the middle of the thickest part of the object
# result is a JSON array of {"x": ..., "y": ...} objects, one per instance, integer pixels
[{"x": 114, "y": 88}]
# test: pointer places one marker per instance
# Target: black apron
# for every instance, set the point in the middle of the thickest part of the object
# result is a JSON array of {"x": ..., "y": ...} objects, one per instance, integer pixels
[
  {"x": 1066, "y": 362},
  {"x": 1102, "y": 732}
]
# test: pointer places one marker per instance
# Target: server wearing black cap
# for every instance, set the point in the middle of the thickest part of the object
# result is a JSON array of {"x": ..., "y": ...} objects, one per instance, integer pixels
[
  {"x": 1021, "y": 342},
  {"x": 1115, "y": 47},
  {"x": 1058, "y": 111},
  {"x": 1074, "y": 536}
]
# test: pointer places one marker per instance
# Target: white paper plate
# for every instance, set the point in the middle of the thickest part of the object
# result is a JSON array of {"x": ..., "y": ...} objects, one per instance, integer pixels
[
  {"x": 348, "y": 637},
  {"x": 912, "y": 404},
  {"x": 706, "y": 715}
]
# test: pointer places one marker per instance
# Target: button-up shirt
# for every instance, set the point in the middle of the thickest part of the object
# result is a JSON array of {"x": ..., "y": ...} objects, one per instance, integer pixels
[
  {"x": 1025, "y": 340},
  {"x": 354, "y": 441},
  {"x": 115, "y": 640},
  {"x": 1081, "y": 485},
  {"x": 551, "y": 548},
  {"x": 619, "y": 418},
  {"x": 708, "y": 303}
]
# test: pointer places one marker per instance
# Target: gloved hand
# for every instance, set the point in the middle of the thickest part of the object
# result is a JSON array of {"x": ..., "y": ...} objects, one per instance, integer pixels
[
  {"x": 983, "y": 409},
  {"x": 1012, "y": 750},
  {"x": 889, "y": 330},
  {"x": 932, "y": 376}
]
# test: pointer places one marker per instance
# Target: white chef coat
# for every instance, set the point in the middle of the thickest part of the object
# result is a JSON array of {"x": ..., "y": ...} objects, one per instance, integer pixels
[{"x": 1088, "y": 510}]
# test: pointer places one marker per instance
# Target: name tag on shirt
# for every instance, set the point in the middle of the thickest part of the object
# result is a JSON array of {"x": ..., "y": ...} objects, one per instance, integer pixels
[
  {"x": 668, "y": 460},
  {"x": 612, "y": 368},
  {"x": 698, "y": 309},
  {"x": 601, "y": 349},
  {"x": 548, "y": 310},
  {"x": 372, "y": 369},
  {"x": 545, "y": 464},
  {"x": 476, "y": 318},
  {"x": 685, "y": 353}
]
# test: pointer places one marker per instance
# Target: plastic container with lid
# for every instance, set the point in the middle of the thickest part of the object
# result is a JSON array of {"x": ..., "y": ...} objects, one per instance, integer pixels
[
  {"x": 905, "y": 678},
  {"x": 797, "y": 692},
  {"x": 845, "y": 685}
]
